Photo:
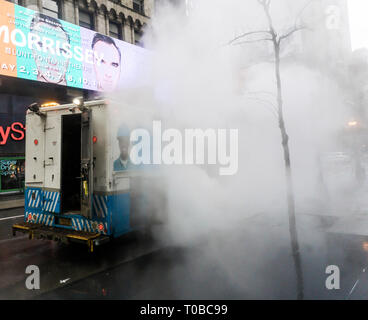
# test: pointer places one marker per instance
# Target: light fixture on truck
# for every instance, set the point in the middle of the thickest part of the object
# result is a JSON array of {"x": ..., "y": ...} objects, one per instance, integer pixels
[
  {"x": 94, "y": 139},
  {"x": 49, "y": 104},
  {"x": 78, "y": 101},
  {"x": 35, "y": 107},
  {"x": 100, "y": 227}
]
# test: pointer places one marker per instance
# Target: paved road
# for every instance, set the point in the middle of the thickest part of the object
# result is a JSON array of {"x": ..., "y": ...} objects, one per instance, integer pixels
[
  {"x": 7, "y": 219},
  {"x": 59, "y": 262},
  {"x": 249, "y": 260},
  {"x": 224, "y": 266}
]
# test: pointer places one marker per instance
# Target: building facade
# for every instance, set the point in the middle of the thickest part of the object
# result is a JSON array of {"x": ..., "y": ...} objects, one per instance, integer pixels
[{"x": 121, "y": 19}]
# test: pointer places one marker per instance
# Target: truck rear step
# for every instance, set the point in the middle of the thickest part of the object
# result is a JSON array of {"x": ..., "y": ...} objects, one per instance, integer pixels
[{"x": 40, "y": 231}]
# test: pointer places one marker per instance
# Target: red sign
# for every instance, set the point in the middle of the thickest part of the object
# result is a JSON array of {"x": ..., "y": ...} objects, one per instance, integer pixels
[{"x": 16, "y": 131}]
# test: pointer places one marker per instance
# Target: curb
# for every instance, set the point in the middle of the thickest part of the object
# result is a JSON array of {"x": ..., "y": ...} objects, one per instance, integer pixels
[{"x": 10, "y": 204}]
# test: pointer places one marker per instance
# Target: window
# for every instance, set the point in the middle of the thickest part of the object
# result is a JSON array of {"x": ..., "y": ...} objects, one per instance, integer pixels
[
  {"x": 138, "y": 5},
  {"x": 20, "y": 2},
  {"x": 51, "y": 8},
  {"x": 137, "y": 38},
  {"x": 86, "y": 20},
  {"x": 12, "y": 174},
  {"x": 114, "y": 30}
]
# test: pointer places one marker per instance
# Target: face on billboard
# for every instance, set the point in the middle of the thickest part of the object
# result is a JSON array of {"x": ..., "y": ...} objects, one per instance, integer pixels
[
  {"x": 50, "y": 68},
  {"x": 108, "y": 69}
]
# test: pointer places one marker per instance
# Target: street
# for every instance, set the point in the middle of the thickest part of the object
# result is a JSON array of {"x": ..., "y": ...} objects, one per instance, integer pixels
[
  {"x": 148, "y": 151},
  {"x": 221, "y": 264},
  {"x": 7, "y": 219}
]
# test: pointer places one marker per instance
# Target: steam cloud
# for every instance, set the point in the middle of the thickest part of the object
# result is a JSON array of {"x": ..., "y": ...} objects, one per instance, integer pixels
[{"x": 197, "y": 80}]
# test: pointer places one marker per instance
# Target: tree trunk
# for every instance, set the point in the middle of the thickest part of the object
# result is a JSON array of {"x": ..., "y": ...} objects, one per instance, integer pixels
[{"x": 289, "y": 183}]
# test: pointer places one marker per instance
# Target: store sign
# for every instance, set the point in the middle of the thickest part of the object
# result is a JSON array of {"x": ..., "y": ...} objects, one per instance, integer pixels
[
  {"x": 37, "y": 47},
  {"x": 15, "y": 131},
  {"x": 11, "y": 174},
  {"x": 7, "y": 167}
]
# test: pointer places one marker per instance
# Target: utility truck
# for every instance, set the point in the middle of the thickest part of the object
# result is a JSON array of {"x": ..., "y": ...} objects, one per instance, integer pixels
[{"x": 74, "y": 191}]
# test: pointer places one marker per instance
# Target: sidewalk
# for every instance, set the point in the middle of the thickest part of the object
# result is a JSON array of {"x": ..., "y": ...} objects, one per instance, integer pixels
[{"x": 11, "y": 201}]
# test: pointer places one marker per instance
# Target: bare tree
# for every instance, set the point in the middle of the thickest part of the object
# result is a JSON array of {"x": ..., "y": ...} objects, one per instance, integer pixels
[{"x": 272, "y": 35}]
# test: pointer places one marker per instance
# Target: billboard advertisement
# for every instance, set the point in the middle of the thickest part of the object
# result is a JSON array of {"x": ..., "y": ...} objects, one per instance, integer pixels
[{"x": 36, "y": 47}]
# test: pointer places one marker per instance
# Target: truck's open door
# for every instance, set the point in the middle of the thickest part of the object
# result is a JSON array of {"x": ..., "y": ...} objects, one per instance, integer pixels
[
  {"x": 35, "y": 146},
  {"x": 86, "y": 163}
]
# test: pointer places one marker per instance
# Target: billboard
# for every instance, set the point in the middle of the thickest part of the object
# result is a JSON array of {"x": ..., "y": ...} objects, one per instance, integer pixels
[{"x": 36, "y": 47}]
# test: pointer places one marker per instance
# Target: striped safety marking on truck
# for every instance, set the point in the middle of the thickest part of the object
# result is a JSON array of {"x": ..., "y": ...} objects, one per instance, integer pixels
[
  {"x": 88, "y": 225},
  {"x": 40, "y": 218},
  {"x": 34, "y": 198},
  {"x": 100, "y": 206},
  {"x": 50, "y": 201}
]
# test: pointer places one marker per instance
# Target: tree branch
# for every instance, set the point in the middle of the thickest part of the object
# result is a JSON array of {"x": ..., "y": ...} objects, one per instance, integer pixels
[
  {"x": 288, "y": 34},
  {"x": 266, "y": 7},
  {"x": 252, "y": 41},
  {"x": 247, "y": 34},
  {"x": 302, "y": 10}
]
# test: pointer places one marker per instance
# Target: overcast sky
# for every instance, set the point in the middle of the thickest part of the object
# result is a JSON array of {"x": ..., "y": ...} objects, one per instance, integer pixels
[{"x": 358, "y": 15}]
